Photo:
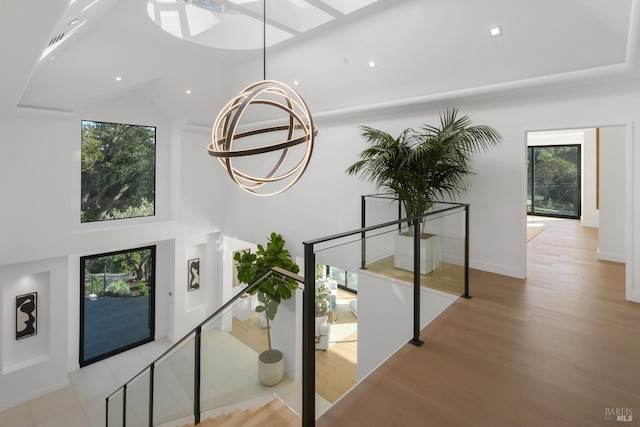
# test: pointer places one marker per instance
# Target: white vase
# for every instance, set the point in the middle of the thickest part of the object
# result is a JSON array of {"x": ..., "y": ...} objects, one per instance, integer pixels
[
  {"x": 270, "y": 367},
  {"x": 430, "y": 252}
]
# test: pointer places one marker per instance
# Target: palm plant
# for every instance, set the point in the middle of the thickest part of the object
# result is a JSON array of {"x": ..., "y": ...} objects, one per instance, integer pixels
[{"x": 421, "y": 166}]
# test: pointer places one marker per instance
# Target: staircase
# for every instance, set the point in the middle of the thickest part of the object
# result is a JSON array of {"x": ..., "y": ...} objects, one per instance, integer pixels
[{"x": 273, "y": 414}]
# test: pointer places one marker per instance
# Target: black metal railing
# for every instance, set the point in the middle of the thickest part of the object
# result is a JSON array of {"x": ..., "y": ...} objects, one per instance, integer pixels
[
  {"x": 443, "y": 209},
  {"x": 195, "y": 334},
  {"x": 308, "y": 410}
]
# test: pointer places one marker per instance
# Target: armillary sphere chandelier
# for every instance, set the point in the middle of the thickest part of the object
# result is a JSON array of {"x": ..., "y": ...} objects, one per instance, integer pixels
[{"x": 229, "y": 144}]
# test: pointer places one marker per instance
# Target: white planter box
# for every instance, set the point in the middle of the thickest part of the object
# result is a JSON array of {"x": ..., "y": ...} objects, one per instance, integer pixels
[{"x": 430, "y": 253}]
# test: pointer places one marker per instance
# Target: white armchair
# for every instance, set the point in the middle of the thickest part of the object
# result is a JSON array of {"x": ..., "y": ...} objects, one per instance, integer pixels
[{"x": 323, "y": 333}]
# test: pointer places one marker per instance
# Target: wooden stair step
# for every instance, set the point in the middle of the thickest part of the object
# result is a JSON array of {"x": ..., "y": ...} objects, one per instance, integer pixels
[{"x": 273, "y": 414}]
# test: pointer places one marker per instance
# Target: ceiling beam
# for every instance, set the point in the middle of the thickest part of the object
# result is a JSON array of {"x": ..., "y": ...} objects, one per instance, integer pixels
[{"x": 325, "y": 8}]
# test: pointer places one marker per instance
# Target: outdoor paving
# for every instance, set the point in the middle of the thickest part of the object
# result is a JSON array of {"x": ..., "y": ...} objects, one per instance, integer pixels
[{"x": 115, "y": 322}]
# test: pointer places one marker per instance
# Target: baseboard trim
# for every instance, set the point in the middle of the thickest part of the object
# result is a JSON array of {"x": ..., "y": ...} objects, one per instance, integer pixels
[
  {"x": 607, "y": 256},
  {"x": 498, "y": 269}
]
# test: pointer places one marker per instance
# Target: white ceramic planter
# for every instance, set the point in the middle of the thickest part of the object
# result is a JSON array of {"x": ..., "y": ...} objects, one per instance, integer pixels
[
  {"x": 270, "y": 367},
  {"x": 430, "y": 252}
]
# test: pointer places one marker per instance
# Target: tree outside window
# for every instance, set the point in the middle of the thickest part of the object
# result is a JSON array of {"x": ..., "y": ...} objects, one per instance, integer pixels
[{"x": 118, "y": 171}]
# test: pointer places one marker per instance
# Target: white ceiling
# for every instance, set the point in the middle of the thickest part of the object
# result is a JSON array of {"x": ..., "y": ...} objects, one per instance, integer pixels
[{"x": 424, "y": 49}]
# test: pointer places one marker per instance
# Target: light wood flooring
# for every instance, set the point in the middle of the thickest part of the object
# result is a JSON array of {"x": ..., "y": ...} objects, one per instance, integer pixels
[
  {"x": 274, "y": 413},
  {"x": 561, "y": 348},
  {"x": 447, "y": 277}
]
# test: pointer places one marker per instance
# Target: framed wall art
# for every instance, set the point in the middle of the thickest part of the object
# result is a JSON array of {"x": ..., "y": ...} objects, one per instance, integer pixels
[
  {"x": 26, "y": 315},
  {"x": 193, "y": 275}
]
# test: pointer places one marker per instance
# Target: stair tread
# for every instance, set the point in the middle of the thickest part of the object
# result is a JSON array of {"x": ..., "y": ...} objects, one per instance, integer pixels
[{"x": 273, "y": 414}]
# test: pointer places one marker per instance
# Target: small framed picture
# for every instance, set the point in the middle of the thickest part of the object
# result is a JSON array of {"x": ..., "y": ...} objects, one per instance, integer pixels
[
  {"x": 193, "y": 275},
  {"x": 26, "y": 315}
]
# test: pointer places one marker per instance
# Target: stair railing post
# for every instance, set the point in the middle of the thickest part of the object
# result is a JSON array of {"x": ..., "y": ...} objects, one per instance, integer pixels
[
  {"x": 466, "y": 253},
  {"x": 308, "y": 339},
  {"x": 416, "y": 283},
  {"x": 196, "y": 373},
  {"x": 151, "y": 394},
  {"x": 124, "y": 406},
  {"x": 363, "y": 242}
]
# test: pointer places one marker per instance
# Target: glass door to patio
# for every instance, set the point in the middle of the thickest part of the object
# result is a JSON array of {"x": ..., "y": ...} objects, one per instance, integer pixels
[
  {"x": 116, "y": 302},
  {"x": 554, "y": 178}
]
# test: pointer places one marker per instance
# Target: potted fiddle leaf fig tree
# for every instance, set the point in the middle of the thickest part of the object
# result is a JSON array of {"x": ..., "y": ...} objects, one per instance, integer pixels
[
  {"x": 423, "y": 165},
  {"x": 271, "y": 292}
]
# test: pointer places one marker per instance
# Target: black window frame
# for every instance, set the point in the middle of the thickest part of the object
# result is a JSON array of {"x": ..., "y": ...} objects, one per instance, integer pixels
[
  {"x": 531, "y": 181},
  {"x": 151, "y": 320},
  {"x": 155, "y": 167}
]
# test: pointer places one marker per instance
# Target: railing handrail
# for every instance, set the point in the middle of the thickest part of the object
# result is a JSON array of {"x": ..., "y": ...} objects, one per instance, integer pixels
[
  {"x": 383, "y": 225},
  {"x": 189, "y": 334},
  {"x": 308, "y": 353}
]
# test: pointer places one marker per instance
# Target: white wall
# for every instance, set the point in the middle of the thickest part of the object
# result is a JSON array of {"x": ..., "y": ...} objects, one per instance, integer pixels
[
  {"x": 384, "y": 323},
  {"x": 39, "y": 222},
  {"x": 612, "y": 236},
  {"x": 35, "y": 365},
  {"x": 39, "y": 170},
  {"x": 326, "y": 200}
]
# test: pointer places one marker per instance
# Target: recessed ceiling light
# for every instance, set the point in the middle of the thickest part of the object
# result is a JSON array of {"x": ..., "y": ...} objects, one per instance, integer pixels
[
  {"x": 188, "y": 91},
  {"x": 296, "y": 82},
  {"x": 372, "y": 64},
  {"x": 495, "y": 31},
  {"x": 118, "y": 78},
  {"x": 73, "y": 22}
]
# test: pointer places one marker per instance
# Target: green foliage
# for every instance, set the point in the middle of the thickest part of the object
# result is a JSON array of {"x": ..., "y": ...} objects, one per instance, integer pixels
[
  {"x": 322, "y": 298},
  {"x": 120, "y": 288},
  {"x": 142, "y": 288},
  {"x": 556, "y": 178},
  {"x": 421, "y": 166},
  {"x": 146, "y": 208},
  {"x": 135, "y": 263},
  {"x": 118, "y": 170},
  {"x": 274, "y": 289}
]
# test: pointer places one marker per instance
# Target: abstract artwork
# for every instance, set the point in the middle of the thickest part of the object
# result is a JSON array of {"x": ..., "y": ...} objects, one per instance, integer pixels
[
  {"x": 26, "y": 315},
  {"x": 193, "y": 268}
]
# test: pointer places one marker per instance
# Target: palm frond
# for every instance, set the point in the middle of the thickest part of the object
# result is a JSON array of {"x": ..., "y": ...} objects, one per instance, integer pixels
[{"x": 421, "y": 166}]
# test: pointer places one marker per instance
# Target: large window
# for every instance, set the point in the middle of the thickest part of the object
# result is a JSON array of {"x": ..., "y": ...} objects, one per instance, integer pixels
[
  {"x": 118, "y": 171},
  {"x": 346, "y": 279},
  {"x": 116, "y": 302},
  {"x": 554, "y": 181}
]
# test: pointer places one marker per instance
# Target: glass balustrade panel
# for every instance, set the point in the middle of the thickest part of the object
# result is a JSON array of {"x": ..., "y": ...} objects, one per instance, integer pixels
[
  {"x": 138, "y": 400},
  {"x": 443, "y": 250},
  {"x": 115, "y": 409},
  {"x": 239, "y": 370},
  {"x": 174, "y": 385}
]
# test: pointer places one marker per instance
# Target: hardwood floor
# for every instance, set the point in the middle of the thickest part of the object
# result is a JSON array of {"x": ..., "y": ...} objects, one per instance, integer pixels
[
  {"x": 559, "y": 349},
  {"x": 447, "y": 277}
]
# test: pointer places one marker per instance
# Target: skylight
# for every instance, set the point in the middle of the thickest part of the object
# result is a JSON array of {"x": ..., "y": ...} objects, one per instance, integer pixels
[{"x": 238, "y": 24}]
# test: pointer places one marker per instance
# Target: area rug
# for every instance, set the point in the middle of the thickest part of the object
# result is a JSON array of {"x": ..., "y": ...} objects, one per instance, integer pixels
[
  {"x": 346, "y": 323},
  {"x": 534, "y": 228}
]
